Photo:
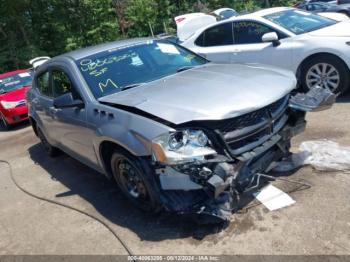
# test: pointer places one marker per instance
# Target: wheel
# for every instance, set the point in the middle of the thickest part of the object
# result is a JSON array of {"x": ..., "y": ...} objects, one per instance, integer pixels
[
  {"x": 50, "y": 150},
  {"x": 136, "y": 181},
  {"x": 3, "y": 122},
  {"x": 326, "y": 71}
]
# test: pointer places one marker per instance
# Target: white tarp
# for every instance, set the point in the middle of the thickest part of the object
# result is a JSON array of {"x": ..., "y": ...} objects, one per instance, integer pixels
[{"x": 323, "y": 155}]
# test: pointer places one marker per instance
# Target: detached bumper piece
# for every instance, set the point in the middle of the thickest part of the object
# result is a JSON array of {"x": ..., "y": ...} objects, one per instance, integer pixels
[
  {"x": 317, "y": 99},
  {"x": 211, "y": 191}
]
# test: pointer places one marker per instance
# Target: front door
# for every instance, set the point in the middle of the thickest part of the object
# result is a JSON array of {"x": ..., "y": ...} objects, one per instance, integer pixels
[
  {"x": 73, "y": 133},
  {"x": 249, "y": 48}
]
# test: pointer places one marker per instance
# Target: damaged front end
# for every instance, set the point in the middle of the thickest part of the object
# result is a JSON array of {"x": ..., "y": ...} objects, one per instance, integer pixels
[{"x": 205, "y": 166}]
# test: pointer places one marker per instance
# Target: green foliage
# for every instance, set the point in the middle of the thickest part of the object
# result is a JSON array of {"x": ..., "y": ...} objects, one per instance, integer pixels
[{"x": 29, "y": 28}]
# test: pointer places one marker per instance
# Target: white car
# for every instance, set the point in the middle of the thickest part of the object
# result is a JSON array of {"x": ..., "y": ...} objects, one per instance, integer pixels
[
  {"x": 336, "y": 16},
  {"x": 315, "y": 48}
]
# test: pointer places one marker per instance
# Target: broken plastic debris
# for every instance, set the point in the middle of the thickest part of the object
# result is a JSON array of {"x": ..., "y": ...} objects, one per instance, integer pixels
[
  {"x": 323, "y": 155},
  {"x": 316, "y": 99},
  {"x": 273, "y": 198}
]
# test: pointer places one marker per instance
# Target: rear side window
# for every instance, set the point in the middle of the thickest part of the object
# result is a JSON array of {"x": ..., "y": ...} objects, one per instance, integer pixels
[
  {"x": 62, "y": 84},
  {"x": 247, "y": 32},
  {"x": 43, "y": 84},
  {"x": 216, "y": 36}
]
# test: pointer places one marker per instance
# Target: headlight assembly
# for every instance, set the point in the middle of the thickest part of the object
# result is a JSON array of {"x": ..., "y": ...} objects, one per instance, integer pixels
[
  {"x": 181, "y": 147},
  {"x": 9, "y": 105}
]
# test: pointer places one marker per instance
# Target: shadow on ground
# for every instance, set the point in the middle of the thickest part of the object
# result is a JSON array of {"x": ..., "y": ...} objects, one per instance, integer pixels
[
  {"x": 344, "y": 98},
  {"x": 104, "y": 196}
]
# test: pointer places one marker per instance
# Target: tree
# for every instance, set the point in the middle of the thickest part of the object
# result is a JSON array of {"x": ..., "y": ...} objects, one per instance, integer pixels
[{"x": 30, "y": 28}]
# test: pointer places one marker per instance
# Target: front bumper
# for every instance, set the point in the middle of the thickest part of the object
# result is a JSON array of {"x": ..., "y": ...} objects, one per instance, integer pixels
[
  {"x": 15, "y": 115},
  {"x": 215, "y": 198},
  {"x": 211, "y": 190}
]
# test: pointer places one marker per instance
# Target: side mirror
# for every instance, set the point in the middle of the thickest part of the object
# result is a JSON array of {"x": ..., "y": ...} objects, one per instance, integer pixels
[
  {"x": 67, "y": 101},
  {"x": 271, "y": 38}
]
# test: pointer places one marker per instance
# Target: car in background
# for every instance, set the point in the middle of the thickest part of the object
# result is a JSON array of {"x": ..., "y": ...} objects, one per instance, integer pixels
[
  {"x": 313, "y": 1},
  {"x": 342, "y": 2},
  {"x": 13, "y": 87},
  {"x": 224, "y": 13},
  {"x": 315, "y": 48},
  {"x": 174, "y": 130},
  {"x": 319, "y": 7}
]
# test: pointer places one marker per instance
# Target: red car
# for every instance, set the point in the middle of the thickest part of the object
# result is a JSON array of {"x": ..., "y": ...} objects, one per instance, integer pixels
[{"x": 13, "y": 87}]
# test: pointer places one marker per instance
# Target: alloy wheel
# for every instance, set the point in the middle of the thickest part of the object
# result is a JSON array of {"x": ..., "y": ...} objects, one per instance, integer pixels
[{"x": 324, "y": 75}]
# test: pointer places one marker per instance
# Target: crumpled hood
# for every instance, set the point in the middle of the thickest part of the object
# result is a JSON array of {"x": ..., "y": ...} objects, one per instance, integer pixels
[
  {"x": 341, "y": 29},
  {"x": 209, "y": 92}
]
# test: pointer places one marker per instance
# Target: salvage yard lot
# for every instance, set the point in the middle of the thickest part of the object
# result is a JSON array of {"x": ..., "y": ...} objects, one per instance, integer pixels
[{"x": 317, "y": 224}]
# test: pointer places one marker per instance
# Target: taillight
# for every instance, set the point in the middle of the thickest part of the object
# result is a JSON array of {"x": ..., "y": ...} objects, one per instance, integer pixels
[{"x": 179, "y": 20}]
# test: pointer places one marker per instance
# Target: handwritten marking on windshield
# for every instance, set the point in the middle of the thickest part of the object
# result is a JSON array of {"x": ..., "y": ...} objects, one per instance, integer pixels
[
  {"x": 99, "y": 72},
  {"x": 109, "y": 82},
  {"x": 90, "y": 65}
]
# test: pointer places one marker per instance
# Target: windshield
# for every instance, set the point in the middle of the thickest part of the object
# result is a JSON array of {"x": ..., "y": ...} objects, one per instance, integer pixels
[
  {"x": 13, "y": 82},
  {"x": 117, "y": 69},
  {"x": 299, "y": 22}
]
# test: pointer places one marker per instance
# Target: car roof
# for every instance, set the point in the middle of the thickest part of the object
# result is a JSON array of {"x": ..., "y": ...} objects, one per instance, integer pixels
[
  {"x": 255, "y": 15},
  {"x": 84, "y": 52},
  {"x": 13, "y": 73},
  {"x": 263, "y": 12}
]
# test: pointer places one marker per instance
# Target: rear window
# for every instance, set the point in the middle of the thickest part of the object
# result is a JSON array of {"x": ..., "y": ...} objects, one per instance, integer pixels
[{"x": 16, "y": 81}]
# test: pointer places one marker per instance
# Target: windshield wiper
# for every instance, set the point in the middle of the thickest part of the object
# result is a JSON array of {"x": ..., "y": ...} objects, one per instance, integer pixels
[
  {"x": 184, "y": 68},
  {"x": 130, "y": 86}
]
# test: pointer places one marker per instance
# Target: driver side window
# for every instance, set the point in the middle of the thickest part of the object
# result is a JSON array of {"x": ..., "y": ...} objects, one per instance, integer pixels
[
  {"x": 62, "y": 84},
  {"x": 249, "y": 32}
]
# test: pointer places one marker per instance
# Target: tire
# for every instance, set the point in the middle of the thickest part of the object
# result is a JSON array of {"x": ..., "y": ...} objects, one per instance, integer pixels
[
  {"x": 3, "y": 122},
  {"x": 327, "y": 71},
  {"x": 136, "y": 180},
  {"x": 50, "y": 150}
]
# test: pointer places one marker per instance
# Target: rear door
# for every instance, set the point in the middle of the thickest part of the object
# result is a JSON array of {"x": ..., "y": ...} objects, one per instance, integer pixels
[{"x": 215, "y": 43}]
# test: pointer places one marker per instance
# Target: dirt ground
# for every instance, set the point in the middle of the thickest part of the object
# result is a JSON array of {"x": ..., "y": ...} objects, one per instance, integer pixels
[{"x": 317, "y": 224}]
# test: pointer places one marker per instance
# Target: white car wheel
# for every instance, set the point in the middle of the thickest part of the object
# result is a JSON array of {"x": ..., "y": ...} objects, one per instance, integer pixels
[
  {"x": 327, "y": 71},
  {"x": 324, "y": 75}
]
